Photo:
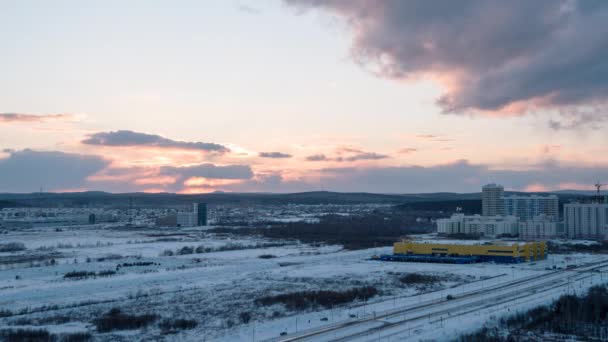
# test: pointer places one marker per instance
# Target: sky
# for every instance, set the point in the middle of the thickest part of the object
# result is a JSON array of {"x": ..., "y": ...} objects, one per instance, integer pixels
[{"x": 302, "y": 95}]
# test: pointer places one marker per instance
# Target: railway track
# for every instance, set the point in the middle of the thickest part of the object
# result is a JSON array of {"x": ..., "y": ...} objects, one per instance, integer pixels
[{"x": 492, "y": 296}]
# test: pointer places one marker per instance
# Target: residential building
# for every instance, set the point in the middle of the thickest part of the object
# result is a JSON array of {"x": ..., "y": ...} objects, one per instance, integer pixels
[
  {"x": 194, "y": 218},
  {"x": 186, "y": 219},
  {"x": 201, "y": 214},
  {"x": 478, "y": 225},
  {"x": 539, "y": 227},
  {"x": 527, "y": 207},
  {"x": 586, "y": 220},
  {"x": 492, "y": 203}
]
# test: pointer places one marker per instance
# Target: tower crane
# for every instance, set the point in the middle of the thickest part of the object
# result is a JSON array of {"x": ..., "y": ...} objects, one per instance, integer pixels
[{"x": 598, "y": 187}]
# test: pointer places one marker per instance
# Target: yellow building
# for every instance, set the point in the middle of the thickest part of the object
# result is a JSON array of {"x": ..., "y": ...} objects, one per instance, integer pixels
[{"x": 464, "y": 253}]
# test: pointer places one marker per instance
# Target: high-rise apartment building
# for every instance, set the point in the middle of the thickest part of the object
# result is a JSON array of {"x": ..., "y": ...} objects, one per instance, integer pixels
[
  {"x": 586, "y": 220},
  {"x": 201, "y": 214},
  {"x": 196, "y": 217},
  {"x": 528, "y": 207},
  {"x": 492, "y": 203}
]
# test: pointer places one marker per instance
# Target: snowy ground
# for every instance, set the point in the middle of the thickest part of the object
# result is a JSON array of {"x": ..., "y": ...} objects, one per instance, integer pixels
[{"x": 216, "y": 287}]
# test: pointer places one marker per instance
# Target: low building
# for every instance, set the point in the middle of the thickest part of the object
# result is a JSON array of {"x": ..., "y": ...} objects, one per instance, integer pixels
[
  {"x": 166, "y": 221},
  {"x": 478, "y": 225},
  {"x": 408, "y": 250}
]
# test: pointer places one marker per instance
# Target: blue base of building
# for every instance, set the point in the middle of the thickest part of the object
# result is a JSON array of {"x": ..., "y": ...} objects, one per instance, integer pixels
[{"x": 451, "y": 259}]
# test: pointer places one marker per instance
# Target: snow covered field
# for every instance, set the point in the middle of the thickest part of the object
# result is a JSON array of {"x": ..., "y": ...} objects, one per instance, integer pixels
[{"x": 214, "y": 280}]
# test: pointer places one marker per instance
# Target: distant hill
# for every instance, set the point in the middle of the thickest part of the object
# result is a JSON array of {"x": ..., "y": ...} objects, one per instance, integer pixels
[
  {"x": 469, "y": 206},
  {"x": 442, "y": 200},
  {"x": 8, "y": 204}
]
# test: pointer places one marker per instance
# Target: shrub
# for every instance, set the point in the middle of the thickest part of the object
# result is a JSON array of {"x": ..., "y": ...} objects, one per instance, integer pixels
[
  {"x": 266, "y": 256},
  {"x": 87, "y": 274},
  {"x": 245, "y": 317},
  {"x": 167, "y": 252},
  {"x": 139, "y": 263},
  {"x": 12, "y": 247},
  {"x": 106, "y": 273},
  {"x": 172, "y": 326},
  {"x": 417, "y": 278},
  {"x": 79, "y": 274},
  {"x": 77, "y": 337},
  {"x": 306, "y": 299},
  {"x": 185, "y": 250},
  {"x": 200, "y": 249},
  {"x": 116, "y": 320},
  {"x": 21, "y": 335},
  {"x": 110, "y": 257}
]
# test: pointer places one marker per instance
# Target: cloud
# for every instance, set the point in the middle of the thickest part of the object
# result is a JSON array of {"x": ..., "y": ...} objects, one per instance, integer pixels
[
  {"x": 433, "y": 137},
  {"x": 248, "y": 9},
  {"x": 274, "y": 155},
  {"x": 28, "y": 170},
  {"x": 18, "y": 117},
  {"x": 366, "y": 156},
  {"x": 168, "y": 178},
  {"x": 407, "y": 150},
  {"x": 209, "y": 171},
  {"x": 507, "y": 57},
  {"x": 577, "y": 119},
  {"x": 317, "y": 157},
  {"x": 427, "y": 136},
  {"x": 130, "y": 138},
  {"x": 459, "y": 176},
  {"x": 347, "y": 154}
]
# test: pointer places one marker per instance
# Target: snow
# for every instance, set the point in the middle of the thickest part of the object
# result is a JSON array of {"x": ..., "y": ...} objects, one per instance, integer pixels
[{"x": 214, "y": 288}]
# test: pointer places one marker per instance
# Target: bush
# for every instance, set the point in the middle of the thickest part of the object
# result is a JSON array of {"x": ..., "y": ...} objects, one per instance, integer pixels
[
  {"x": 327, "y": 299},
  {"x": 12, "y": 247},
  {"x": 581, "y": 317},
  {"x": 106, "y": 273},
  {"x": 79, "y": 274},
  {"x": 167, "y": 252},
  {"x": 116, "y": 320},
  {"x": 139, "y": 263},
  {"x": 417, "y": 278},
  {"x": 185, "y": 250},
  {"x": 200, "y": 249},
  {"x": 245, "y": 317},
  {"x": 87, "y": 274},
  {"x": 267, "y": 256},
  {"x": 77, "y": 337},
  {"x": 21, "y": 335},
  {"x": 172, "y": 326}
]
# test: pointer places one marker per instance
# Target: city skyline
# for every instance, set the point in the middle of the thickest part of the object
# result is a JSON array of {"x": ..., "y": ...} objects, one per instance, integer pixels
[{"x": 289, "y": 96}]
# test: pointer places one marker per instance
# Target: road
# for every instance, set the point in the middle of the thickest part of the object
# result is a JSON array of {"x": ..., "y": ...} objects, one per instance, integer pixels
[{"x": 399, "y": 323}]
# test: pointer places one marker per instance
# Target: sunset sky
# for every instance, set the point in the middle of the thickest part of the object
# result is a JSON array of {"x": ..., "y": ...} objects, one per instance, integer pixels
[{"x": 302, "y": 95}]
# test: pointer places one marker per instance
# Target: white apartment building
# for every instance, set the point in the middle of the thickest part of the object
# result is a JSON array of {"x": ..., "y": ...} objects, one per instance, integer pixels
[
  {"x": 492, "y": 203},
  {"x": 186, "y": 219},
  {"x": 539, "y": 227},
  {"x": 528, "y": 207},
  {"x": 586, "y": 220},
  {"x": 478, "y": 225}
]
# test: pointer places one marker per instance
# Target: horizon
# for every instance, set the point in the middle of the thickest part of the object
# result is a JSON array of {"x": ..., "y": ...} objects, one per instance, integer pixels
[
  {"x": 153, "y": 96},
  {"x": 300, "y": 192}
]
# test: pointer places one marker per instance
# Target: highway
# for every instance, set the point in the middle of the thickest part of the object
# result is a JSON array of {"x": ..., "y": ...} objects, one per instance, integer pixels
[{"x": 399, "y": 323}]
